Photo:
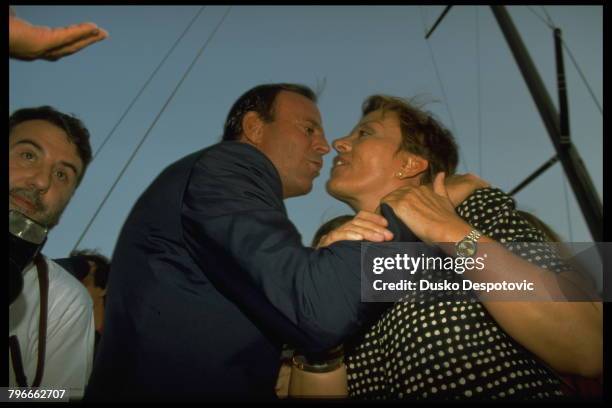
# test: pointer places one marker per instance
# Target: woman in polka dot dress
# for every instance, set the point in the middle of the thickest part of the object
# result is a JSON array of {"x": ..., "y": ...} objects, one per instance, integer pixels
[
  {"x": 443, "y": 348},
  {"x": 451, "y": 350}
]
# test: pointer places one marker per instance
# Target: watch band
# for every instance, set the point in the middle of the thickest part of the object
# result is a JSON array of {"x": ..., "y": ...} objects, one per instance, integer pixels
[{"x": 474, "y": 235}]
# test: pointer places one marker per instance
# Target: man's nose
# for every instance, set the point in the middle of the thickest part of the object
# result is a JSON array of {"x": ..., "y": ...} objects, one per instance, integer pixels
[
  {"x": 342, "y": 144},
  {"x": 40, "y": 178},
  {"x": 321, "y": 145}
]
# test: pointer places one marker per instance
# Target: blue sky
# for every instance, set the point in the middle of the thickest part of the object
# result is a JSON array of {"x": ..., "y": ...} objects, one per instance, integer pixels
[{"x": 356, "y": 51}]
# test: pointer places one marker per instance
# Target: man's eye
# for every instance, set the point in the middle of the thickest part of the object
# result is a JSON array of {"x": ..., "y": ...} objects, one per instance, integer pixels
[
  {"x": 309, "y": 130},
  {"x": 61, "y": 175},
  {"x": 28, "y": 156}
]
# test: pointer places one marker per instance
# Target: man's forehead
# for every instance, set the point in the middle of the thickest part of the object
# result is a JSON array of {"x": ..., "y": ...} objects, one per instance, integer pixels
[
  {"x": 298, "y": 105},
  {"x": 46, "y": 136},
  {"x": 37, "y": 128}
]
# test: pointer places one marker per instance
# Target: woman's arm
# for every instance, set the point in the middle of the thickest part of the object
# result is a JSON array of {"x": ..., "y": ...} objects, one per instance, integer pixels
[{"x": 566, "y": 335}]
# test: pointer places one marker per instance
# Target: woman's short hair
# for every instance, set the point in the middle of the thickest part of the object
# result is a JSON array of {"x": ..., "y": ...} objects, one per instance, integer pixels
[{"x": 422, "y": 134}]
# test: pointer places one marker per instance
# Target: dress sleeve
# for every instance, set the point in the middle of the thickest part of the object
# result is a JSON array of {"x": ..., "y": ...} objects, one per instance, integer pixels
[{"x": 494, "y": 213}]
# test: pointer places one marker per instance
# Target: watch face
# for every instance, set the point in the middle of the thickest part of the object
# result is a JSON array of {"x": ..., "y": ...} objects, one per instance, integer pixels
[{"x": 466, "y": 248}]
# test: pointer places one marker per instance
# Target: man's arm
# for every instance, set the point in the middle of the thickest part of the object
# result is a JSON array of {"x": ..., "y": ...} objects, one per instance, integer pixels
[{"x": 233, "y": 209}]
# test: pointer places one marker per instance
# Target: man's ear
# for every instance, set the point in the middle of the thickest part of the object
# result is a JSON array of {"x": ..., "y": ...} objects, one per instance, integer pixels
[
  {"x": 252, "y": 128},
  {"x": 414, "y": 165}
]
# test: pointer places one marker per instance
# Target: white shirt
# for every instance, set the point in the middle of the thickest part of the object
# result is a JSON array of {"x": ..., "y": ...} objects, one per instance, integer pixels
[{"x": 70, "y": 331}]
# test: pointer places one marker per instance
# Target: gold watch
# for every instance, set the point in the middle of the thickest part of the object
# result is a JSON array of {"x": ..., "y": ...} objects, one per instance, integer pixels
[{"x": 467, "y": 246}]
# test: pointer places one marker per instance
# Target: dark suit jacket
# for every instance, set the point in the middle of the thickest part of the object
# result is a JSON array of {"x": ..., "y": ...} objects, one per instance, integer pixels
[{"x": 209, "y": 278}]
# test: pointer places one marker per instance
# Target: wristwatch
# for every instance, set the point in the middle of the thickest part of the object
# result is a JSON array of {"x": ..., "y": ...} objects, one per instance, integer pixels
[{"x": 467, "y": 246}]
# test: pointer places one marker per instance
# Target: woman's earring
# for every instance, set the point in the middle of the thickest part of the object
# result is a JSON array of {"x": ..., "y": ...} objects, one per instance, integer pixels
[{"x": 400, "y": 174}]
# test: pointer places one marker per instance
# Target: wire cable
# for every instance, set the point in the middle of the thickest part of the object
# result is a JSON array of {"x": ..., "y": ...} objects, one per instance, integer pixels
[
  {"x": 584, "y": 80},
  {"x": 550, "y": 24},
  {"x": 479, "y": 102},
  {"x": 446, "y": 104},
  {"x": 567, "y": 208},
  {"x": 552, "y": 27},
  {"x": 178, "y": 40},
  {"x": 147, "y": 133},
  {"x": 550, "y": 20}
]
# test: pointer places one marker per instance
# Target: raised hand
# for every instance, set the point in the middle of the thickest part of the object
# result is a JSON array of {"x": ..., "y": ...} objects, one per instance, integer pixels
[
  {"x": 428, "y": 211},
  {"x": 29, "y": 42}
]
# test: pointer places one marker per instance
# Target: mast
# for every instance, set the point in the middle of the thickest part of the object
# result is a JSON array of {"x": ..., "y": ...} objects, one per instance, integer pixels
[{"x": 557, "y": 124}]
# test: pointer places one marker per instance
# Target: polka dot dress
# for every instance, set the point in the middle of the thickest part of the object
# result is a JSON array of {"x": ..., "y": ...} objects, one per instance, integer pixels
[{"x": 449, "y": 349}]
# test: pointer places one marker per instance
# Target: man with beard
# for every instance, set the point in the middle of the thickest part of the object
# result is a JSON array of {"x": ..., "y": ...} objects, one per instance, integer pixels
[{"x": 51, "y": 330}]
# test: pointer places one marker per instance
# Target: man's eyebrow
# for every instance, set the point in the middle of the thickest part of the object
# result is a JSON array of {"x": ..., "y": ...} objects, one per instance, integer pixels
[
  {"x": 70, "y": 166},
  {"x": 39, "y": 148},
  {"x": 314, "y": 123},
  {"x": 30, "y": 142}
]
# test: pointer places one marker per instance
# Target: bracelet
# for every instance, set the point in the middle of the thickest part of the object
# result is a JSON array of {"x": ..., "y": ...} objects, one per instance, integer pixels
[
  {"x": 334, "y": 359},
  {"x": 301, "y": 363}
]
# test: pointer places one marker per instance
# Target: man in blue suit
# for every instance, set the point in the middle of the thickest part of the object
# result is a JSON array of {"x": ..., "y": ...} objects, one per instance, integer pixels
[{"x": 209, "y": 276}]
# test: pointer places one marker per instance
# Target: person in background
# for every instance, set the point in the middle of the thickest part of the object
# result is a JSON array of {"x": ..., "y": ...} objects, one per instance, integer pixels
[
  {"x": 51, "y": 326},
  {"x": 30, "y": 42},
  {"x": 91, "y": 268}
]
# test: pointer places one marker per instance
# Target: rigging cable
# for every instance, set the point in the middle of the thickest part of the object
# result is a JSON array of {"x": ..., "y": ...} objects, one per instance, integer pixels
[
  {"x": 552, "y": 26},
  {"x": 567, "y": 208},
  {"x": 550, "y": 21},
  {"x": 453, "y": 128},
  {"x": 210, "y": 37},
  {"x": 479, "y": 102},
  {"x": 148, "y": 81}
]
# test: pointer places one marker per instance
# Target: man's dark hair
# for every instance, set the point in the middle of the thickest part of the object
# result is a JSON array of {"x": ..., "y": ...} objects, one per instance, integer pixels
[
  {"x": 261, "y": 100},
  {"x": 74, "y": 128},
  {"x": 102, "y": 265}
]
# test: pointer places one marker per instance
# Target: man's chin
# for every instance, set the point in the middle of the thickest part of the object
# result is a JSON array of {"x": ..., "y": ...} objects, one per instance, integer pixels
[
  {"x": 44, "y": 221},
  {"x": 25, "y": 211}
]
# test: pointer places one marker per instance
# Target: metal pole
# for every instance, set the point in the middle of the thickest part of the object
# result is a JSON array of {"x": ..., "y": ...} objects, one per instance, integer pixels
[
  {"x": 576, "y": 172},
  {"x": 562, "y": 87},
  {"x": 535, "y": 174},
  {"x": 437, "y": 22}
]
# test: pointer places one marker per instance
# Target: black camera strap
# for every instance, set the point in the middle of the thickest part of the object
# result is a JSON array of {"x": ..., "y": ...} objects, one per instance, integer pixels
[{"x": 43, "y": 284}]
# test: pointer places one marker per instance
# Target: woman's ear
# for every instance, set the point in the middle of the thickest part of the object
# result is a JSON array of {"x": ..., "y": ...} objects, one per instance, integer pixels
[
  {"x": 252, "y": 127},
  {"x": 413, "y": 166}
]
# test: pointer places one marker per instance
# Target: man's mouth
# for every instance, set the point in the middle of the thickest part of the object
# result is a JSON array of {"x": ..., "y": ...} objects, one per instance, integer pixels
[
  {"x": 316, "y": 164},
  {"x": 23, "y": 203}
]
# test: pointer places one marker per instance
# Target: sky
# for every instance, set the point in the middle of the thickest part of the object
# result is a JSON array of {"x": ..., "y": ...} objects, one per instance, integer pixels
[{"x": 474, "y": 87}]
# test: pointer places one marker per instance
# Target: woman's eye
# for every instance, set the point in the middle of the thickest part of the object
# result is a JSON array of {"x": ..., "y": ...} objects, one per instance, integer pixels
[{"x": 363, "y": 133}]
